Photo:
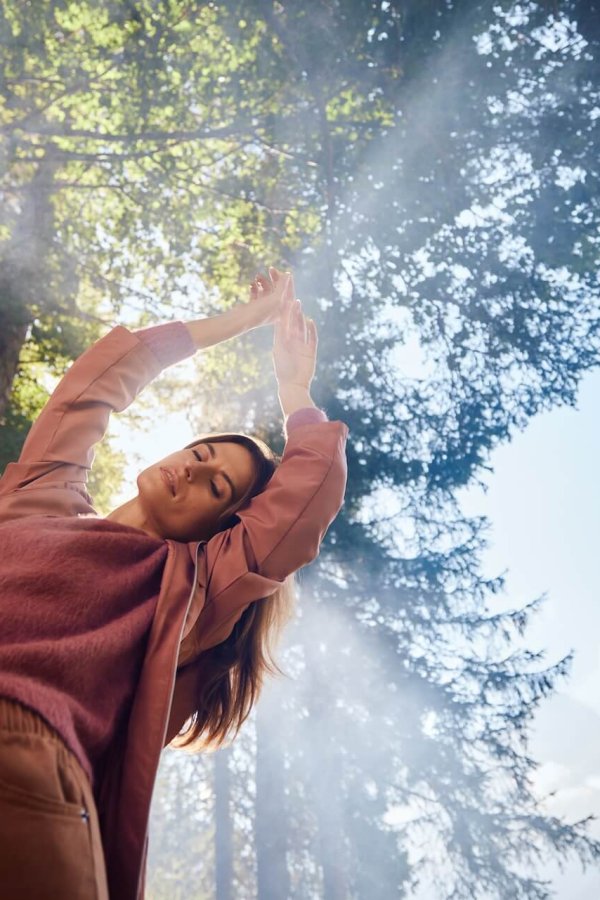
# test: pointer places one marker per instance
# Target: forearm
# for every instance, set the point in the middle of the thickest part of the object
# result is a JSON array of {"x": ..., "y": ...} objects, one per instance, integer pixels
[
  {"x": 293, "y": 397},
  {"x": 235, "y": 321}
]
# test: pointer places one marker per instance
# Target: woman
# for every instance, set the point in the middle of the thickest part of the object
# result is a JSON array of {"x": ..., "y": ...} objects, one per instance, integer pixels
[{"x": 118, "y": 631}]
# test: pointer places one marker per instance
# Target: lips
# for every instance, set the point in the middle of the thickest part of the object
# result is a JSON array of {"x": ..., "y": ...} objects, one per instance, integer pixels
[{"x": 170, "y": 479}]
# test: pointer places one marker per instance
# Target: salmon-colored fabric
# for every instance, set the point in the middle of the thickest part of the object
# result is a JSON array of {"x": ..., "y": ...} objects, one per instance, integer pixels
[{"x": 205, "y": 586}]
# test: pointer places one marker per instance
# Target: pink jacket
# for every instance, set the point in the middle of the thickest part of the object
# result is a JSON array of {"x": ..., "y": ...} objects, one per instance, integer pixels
[{"x": 205, "y": 585}]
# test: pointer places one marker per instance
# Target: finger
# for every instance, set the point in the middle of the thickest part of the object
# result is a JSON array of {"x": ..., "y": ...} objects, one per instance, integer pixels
[
  {"x": 289, "y": 289},
  {"x": 278, "y": 274},
  {"x": 296, "y": 313},
  {"x": 280, "y": 322},
  {"x": 285, "y": 322},
  {"x": 264, "y": 282},
  {"x": 291, "y": 319},
  {"x": 299, "y": 322},
  {"x": 313, "y": 337}
]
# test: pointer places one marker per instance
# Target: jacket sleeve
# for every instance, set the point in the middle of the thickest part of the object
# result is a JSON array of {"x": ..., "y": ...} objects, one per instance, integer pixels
[
  {"x": 279, "y": 531},
  {"x": 104, "y": 379}
]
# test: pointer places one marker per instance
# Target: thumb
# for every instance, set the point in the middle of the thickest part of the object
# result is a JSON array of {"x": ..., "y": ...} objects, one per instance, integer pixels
[
  {"x": 284, "y": 323},
  {"x": 289, "y": 290}
]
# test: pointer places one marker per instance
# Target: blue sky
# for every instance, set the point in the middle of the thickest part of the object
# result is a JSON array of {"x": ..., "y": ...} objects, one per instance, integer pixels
[{"x": 543, "y": 503}]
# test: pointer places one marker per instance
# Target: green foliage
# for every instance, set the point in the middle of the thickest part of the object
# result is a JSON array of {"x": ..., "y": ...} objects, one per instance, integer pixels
[
  {"x": 43, "y": 360},
  {"x": 430, "y": 170},
  {"x": 106, "y": 476}
]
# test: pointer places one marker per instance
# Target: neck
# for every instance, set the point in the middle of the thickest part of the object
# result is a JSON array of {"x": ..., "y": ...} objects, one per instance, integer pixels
[{"x": 131, "y": 513}]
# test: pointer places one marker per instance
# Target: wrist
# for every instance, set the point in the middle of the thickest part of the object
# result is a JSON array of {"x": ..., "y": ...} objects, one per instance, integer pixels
[
  {"x": 294, "y": 396},
  {"x": 242, "y": 318},
  {"x": 227, "y": 325}
]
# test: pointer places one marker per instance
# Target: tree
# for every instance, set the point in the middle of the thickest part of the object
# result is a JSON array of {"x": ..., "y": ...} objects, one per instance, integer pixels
[
  {"x": 109, "y": 132},
  {"x": 433, "y": 206},
  {"x": 181, "y": 864},
  {"x": 431, "y": 172}
]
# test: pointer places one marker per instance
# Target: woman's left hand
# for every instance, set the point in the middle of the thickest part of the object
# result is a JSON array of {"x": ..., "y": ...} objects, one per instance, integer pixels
[{"x": 268, "y": 295}]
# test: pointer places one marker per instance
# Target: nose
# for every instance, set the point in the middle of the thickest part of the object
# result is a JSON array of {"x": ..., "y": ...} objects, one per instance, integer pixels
[{"x": 213, "y": 466}]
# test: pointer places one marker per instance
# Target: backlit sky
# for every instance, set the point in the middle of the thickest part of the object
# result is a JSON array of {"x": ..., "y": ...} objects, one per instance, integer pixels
[{"x": 543, "y": 502}]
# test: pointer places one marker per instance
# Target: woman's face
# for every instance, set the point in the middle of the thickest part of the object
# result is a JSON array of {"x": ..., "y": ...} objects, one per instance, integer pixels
[{"x": 187, "y": 495}]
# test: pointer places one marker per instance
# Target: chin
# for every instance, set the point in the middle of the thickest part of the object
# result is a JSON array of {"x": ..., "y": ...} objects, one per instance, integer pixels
[
  {"x": 146, "y": 480},
  {"x": 151, "y": 494}
]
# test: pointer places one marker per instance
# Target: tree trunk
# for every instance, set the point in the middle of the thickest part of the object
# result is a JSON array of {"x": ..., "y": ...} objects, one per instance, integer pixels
[
  {"x": 330, "y": 823},
  {"x": 271, "y": 826},
  {"x": 223, "y": 827},
  {"x": 325, "y": 767},
  {"x": 12, "y": 337},
  {"x": 23, "y": 279}
]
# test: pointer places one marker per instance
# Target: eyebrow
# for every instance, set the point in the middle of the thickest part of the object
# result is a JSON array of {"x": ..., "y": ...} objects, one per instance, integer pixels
[{"x": 234, "y": 493}]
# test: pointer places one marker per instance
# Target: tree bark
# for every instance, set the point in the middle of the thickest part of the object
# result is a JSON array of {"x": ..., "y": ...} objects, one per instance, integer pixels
[
  {"x": 223, "y": 828},
  {"x": 271, "y": 826},
  {"x": 22, "y": 269},
  {"x": 332, "y": 850},
  {"x": 12, "y": 336},
  {"x": 326, "y": 783}
]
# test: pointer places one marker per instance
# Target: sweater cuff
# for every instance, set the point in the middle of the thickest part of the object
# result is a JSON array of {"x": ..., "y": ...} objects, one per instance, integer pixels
[
  {"x": 309, "y": 415},
  {"x": 170, "y": 343}
]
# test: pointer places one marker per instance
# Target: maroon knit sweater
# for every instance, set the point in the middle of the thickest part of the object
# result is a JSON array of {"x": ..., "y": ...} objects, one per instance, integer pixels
[{"x": 78, "y": 597}]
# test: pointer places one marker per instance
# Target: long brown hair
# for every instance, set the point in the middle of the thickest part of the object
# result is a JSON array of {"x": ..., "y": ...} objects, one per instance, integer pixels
[{"x": 231, "y": 675}]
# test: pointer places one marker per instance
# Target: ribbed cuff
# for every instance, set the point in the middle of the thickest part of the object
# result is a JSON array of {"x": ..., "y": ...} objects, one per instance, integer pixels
[
  {"x": 170, "y": 342},
  {"x": 308, "y": 415}
]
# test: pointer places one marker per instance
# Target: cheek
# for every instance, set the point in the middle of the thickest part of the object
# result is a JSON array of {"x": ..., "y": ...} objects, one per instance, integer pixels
[{"x": 197, "y": 512}]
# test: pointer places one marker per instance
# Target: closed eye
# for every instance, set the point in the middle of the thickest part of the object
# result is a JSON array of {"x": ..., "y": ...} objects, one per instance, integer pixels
[{"x": 213, "y": 486}]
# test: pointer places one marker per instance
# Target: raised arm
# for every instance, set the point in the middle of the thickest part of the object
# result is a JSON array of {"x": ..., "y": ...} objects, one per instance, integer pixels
[
  {"x": 108, "y": 377},
  {"x": 282, "y": 529}
]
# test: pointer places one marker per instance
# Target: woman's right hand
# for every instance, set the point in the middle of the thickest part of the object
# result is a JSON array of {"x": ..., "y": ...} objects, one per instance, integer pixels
[{"x": 294, "y": 347}]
